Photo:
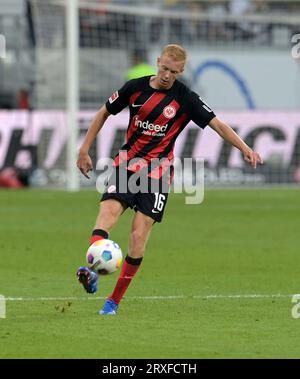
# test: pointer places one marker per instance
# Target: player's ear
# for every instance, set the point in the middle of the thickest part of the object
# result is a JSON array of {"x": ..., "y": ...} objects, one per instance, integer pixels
[
  {"x": 182, "y": 68},
  {"x": 158, "y": 61}
]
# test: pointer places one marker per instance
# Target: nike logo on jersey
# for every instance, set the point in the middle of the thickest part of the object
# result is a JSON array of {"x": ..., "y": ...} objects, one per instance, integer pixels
[{"x": 136, "y": 105}]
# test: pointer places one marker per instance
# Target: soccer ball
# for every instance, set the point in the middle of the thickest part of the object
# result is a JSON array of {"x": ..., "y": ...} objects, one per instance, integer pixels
[{"x": 104, "y": 257}]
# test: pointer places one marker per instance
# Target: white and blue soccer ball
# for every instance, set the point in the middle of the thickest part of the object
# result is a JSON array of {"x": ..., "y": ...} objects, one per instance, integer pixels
[{"x": 104, "y": 257}]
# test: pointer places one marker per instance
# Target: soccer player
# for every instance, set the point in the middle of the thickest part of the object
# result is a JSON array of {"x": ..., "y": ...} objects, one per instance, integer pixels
[{"x": 160, "y": 108}]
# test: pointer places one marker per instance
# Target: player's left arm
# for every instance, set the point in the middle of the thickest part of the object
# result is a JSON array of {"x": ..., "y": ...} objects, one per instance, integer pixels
[{"x": 229, "y": 135}]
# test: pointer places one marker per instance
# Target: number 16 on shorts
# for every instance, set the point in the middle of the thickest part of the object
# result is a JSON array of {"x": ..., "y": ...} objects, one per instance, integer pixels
[{"x": 159, "y": 202}]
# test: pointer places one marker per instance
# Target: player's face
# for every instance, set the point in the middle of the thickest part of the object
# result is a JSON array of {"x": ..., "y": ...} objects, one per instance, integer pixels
[{"x": 168, "y": 71}]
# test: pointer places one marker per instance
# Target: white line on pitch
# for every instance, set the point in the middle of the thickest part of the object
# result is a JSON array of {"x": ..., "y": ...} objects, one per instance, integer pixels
[{"x": 175, "y": 297}]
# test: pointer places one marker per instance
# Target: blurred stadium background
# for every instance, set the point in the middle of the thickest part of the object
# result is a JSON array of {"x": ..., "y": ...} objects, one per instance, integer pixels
[{"x": 240, "y": 62}]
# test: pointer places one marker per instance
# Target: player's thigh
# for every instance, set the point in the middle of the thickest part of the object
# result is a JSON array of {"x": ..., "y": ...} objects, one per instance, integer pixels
[
  {"x": 109, "y": 213},
  {"x": 117, "y": 188}
]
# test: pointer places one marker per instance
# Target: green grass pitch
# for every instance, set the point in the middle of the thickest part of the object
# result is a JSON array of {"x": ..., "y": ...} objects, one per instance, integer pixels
[{"x": 216, "y": 282}]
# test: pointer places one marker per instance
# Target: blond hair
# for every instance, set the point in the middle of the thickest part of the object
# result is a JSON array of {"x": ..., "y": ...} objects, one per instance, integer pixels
[{"x": 177, "y": 52}]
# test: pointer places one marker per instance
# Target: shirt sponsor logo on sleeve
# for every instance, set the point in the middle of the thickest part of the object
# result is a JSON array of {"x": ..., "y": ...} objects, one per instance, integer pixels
[{"x": 113, "y": 97}]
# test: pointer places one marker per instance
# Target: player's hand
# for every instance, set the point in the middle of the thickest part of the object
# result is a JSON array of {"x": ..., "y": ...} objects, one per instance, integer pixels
[
  {"x": 84, "y": 163},
  {"x": 252, "y": 157}
]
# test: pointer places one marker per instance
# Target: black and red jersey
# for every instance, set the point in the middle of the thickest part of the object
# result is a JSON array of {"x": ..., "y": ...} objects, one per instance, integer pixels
[{"x": 157, "y": 117}]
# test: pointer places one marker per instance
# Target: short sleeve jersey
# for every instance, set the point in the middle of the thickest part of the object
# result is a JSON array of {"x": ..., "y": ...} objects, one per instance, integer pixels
[{"x": 157, "y": 117}]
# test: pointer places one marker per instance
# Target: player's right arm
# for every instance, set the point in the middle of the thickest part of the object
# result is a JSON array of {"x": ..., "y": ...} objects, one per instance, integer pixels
[
  {"x": 118, "y": 101},
  {"x": 84, "y": 162}
]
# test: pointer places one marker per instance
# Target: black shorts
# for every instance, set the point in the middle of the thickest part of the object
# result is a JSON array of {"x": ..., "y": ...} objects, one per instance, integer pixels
[{"x": 138, "y": 191}]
